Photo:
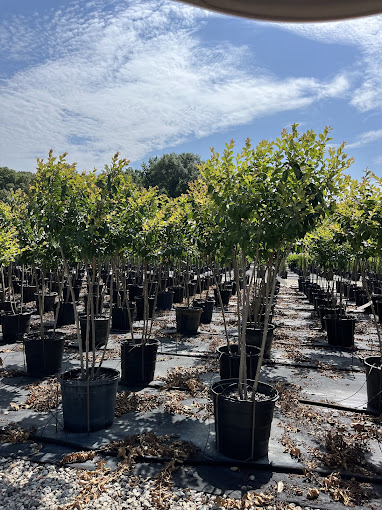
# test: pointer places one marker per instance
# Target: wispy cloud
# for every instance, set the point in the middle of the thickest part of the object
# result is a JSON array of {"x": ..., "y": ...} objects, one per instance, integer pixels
[
  {"x": 366, "y": 35},
  {"x": 365, "y": 139},
  {"x": 134, "y": 77}
]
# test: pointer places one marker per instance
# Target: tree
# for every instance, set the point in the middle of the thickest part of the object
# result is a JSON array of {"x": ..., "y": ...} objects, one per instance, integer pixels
[
  {"x": 10, "y": 180},
  {"x": 171, "y": 173}
]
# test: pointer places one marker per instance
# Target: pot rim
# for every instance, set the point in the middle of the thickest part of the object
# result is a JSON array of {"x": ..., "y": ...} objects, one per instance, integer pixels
[
  {"x": 273, "y": 396},
  {"x": 369, "y": 363},
  {"x": 65, "y": 379}
]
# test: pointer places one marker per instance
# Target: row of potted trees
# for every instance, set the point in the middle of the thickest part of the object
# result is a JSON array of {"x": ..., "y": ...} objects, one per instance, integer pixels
[{"x": 245, "y": 211}]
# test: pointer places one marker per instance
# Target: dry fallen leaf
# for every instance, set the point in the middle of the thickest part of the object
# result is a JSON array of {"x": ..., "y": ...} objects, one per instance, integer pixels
[
  {"x": 280, "y": 486},
  {"x": 313, "y": 494}
]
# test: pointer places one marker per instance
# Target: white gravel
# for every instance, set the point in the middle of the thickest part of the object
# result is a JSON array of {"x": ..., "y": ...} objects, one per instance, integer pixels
[{"x": 27, "y": 485}]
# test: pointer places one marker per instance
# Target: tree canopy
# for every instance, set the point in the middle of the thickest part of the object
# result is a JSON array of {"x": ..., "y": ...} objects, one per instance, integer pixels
[
  {"x": 10, "y": 180},
  {"x": 171, "y": 172}
]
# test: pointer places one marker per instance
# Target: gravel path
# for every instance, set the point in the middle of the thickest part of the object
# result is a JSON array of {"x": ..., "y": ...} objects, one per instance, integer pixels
[{"x": 27, "y": 485}]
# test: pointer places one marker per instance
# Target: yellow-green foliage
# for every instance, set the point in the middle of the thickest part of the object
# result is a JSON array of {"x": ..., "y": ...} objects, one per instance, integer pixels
[{"x": 9, "y": 248}]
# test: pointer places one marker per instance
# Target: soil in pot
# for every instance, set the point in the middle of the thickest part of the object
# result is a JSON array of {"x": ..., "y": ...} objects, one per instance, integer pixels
[
  {"x": 44, "y": 355},
  {"x": 88, "y": 405},
  {"x": 15, "y": 326},
  {"x": 188, "y": 320},
  {"x": 237, "y": 436},
  {"x": 138, "y": 362},
  {"x": 374, "y": 382},
  {"x": 340, "y": 331},
  {"x": 229, "y": 362},
  {"x": 254, "y": 336},
  {"x": 101, "y": 325}
]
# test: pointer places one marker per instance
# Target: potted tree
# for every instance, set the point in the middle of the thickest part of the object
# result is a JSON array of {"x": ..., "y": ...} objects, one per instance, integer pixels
[
  {"x": 143, "y": 232},
  {"x": 330, "y": 250},
  {"x": 360, "y": 216},
  {"x": 15, "y": 322},
  {"x": 75, "y": 211},
  {"x": 266, "y": 199}
]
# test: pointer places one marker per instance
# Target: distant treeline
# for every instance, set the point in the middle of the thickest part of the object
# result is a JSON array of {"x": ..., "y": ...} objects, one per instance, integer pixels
[
  {"x": 170, "y": 172},
  {"x": 10, "y": 180}
]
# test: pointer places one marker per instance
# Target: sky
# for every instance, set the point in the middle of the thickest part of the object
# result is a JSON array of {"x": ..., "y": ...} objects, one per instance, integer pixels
[{"x": 148, "y": 77}]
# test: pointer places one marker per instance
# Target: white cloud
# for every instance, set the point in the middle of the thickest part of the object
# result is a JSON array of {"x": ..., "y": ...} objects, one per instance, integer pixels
[
  {"x": 366, "y": 35},
  {"x": 365, "y": 139},
  {"x": 134, "y": 78}
]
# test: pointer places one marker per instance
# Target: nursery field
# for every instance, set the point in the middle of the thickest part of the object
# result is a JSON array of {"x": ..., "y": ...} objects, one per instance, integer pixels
[{"x": 160, "y": 452}]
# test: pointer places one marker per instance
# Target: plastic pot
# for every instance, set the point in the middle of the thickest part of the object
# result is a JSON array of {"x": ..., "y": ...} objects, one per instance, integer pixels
[
  {"x": 97, "y": 303},
  {"x": 237, "y": 436},
  {"x": 340, "y": 330},
  {"x": 229, "y": 363},
  {"x": 179, "y": 292},
  {"x": 139, "y": 301},
  {"x": 65, "y": 314},
  {"x": 225, "y": 294},
  {"x": 120, "y": 317},
  {"x": 165, "y": 300},
  {"x": 327, "y": 310},
  {"x": 29, "y": 292},
  {"x": 101, "y": 326},
  {"x": 15, "y": 326},
  {"x": 188, "y": 320},
  {"x": 374, "y": 382},
  {"x": 254, "y": 336},
  {"x": 138, "y": 362},
  {"x": 207, "y": 307},
  {"x": 67, "y": 295},
  {"x": 44, "y": 355},
  {"x": 88, "y": 405},
  {"x": 49, "y": 300}
]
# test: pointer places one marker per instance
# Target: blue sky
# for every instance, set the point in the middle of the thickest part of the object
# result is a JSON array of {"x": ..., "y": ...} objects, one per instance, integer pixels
[{"x": 146, "y": 77}]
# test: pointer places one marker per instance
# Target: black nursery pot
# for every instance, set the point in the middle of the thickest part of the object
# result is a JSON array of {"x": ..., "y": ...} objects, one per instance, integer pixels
[
  {"x": 140, "y": 304},
  {"x": 165, "y": 300},
  {"x": 97, "y": 303},
  {"x": 15, "y": 326},
  {"x": 138, "y": 362},
  {"x": 340, "y": 331},
  {"x": 254, "y": 336},
  {"x": 179, "y": 292},
  {"x": 188, "y": 320},
  {"x": 237, "y": 437},
  {"x": 374, "y": 382},
  {"x": 88, "y": 405},
  {"x": 44, "y": 355},
  {"x": 101, "y": 325},
  {"x": 65, "y": 314},
  {"x": 229, "y": 362},
  {"x": 49, "y": 300},
  {"x": 207, "y": 307},
  {"x": 120, "y": 317},
  {"x": 29, "y": 292},
  {"x": 225, "y": 294}
]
